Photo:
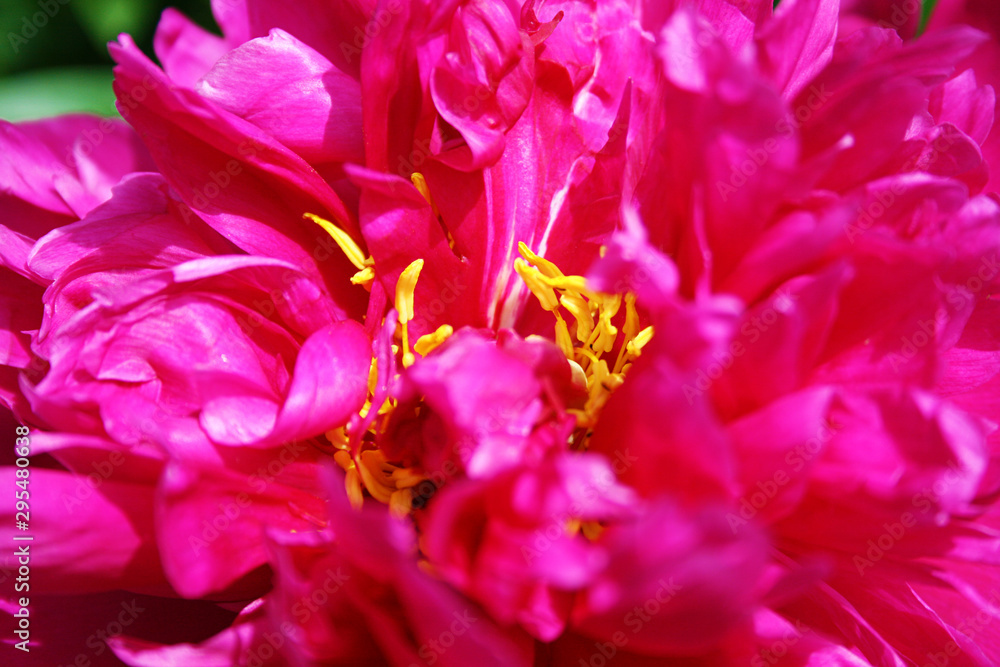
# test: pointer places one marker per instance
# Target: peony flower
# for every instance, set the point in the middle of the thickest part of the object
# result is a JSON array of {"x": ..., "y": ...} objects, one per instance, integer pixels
[{"x": 539, "y": 335}]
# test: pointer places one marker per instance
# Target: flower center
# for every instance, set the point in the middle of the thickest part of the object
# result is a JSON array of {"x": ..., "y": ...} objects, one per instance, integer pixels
[{"x": 599, "y": 352}]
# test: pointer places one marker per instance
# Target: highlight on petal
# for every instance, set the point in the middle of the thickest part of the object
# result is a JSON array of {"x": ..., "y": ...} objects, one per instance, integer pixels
[{"x": 299, "y": 97}]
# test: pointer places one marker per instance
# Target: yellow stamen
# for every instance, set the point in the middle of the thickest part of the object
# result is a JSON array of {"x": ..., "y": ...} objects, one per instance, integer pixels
[
  {"x": 352, "y": 481},
  {"x": 372, "y": 376},
  {"x": 400, "y": 503},
  {"x": 596, "y": 335},
  {"x": 579, "y": 308},
  {"x": 367, "y": 471},
  {"x": 338, "y": 437},
  {"x": 384, "y": 481},
  {"x": 405, "y": 287},
  {"x": 630, "y": 329},
  {"x": 547, "y": 268},
  {"x": 373, "y": 475},
  {"x": 563, "y": 339},
  {"x": 429, "y": 342},
  {"x": 353, "y": 252},
  {"x": 635, "y": 345},
  {"x": 346, "y": 243},
  {"x": 591, "y": 529},
  {"x": 571, "y": 283},
  {"x": 534, "y": 279},
  {"x": 354, "y": 493},
  {"x": 420, "y": 183},
  {"x": 606, "y": 331},
  {"x": 588, "y": 355},
  {"x": 405, "y": 478},
  {"x": 364, "y": 277}
]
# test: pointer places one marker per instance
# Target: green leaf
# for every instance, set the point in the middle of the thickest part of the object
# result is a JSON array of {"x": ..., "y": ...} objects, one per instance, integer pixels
[{"x": 50, "y": 92}]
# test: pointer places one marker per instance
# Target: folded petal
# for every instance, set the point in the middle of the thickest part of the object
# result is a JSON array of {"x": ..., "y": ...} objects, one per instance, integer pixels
[{"x": 292, "y": 92}]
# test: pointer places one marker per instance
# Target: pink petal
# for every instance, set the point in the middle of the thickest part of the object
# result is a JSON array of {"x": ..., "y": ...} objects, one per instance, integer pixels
[
  {"x": 185, "y": 50},
  {"x": 292, "y": 92}
]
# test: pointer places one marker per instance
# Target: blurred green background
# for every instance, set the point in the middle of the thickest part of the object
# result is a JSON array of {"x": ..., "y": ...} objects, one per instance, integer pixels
[{"x": 54, "y": 56}]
